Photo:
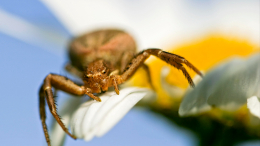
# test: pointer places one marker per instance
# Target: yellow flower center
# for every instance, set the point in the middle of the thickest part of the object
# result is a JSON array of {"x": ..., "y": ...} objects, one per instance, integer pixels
[{"x": 204, "y": 54}]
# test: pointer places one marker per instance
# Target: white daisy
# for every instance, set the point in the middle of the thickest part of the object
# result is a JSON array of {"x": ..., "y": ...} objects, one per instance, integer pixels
[
  {"x": 228, "y": 86},
  {"x": 94, "y": 118}
]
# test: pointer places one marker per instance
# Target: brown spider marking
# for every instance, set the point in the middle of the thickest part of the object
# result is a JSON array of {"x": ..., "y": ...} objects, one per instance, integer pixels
[{"x": 103, "y": 59}]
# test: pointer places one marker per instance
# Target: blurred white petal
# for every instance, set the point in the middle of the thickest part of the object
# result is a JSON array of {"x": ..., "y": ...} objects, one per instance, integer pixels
[
  {"x": 240, "y": 82},
  {"x": 149, "y": 98},
  {"x": 96, "y": 118},
  {"x": 32, "y": 34},
  {"x": 172, "y": 90},
  {"x": 196, "y": 100},
  {"x": 227, "y": 86},
  {"x": 197, "y": 78},
  {"x": 66, "y": 111},
  {"x": 253, "y": 104},
  {"x": 150, "y": 21}
]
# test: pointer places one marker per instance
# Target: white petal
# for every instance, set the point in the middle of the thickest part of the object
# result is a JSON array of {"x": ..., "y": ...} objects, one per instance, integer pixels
[
  {"x": 240, "y": 82},
  {"x": 77, "y": 119},
  {"x": 197, "y": 78},
  {"x": 172, "y": 90},
  {"x": 149, "y": 98},
  {"x": 253, "y": 104},
  {"x": 196, "y": 100},
  {"x": 167, "y": 19},
  {"x": 96, "y": 118},
  {"x": 57, "y": 134},
  {"x": 118, "y": 112},
  {"x": 227, "y": 86},
  {"x": 36, "y": 35}
]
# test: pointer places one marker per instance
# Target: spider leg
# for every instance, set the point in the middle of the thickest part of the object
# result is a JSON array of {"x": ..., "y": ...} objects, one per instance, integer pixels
[
  {"x": 176, "y": 58},
  {"x": 126, "y": 58},
  {"x": 185, "y": 73},
  {"x": 43, "y": 115},
  {"x": 115, "y": 80},
  {"x": 170, "y": 58},
  {"x": 64, "y": 84},
  {"x": 148, "y": 73},
  {"x": 115, "y": 84}
]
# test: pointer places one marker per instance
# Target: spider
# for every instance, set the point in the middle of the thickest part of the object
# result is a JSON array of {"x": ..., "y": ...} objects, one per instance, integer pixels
[{"x": 102, "y": 59}]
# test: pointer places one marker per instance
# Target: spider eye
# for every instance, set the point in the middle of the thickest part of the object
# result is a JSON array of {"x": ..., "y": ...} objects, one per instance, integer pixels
[{"x": 103, "y": 71}]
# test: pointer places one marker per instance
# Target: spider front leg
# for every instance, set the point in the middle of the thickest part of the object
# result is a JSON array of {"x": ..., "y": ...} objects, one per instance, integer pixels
[
  {"x": 170, "y": 58},
  {"x": 64, "y": 84}
]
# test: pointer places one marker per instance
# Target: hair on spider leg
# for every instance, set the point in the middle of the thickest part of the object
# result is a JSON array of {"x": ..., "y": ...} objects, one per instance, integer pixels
[
  {"x": 56, "y": 104},
  {"x": 60, "y": 117}
]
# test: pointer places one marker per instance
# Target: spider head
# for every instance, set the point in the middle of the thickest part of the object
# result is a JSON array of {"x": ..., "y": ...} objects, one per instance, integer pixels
[{"x": 96, "y": 76}]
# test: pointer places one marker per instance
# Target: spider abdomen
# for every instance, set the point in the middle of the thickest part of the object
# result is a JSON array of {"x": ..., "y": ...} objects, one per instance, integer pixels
[{"x": 109, "y": 45}]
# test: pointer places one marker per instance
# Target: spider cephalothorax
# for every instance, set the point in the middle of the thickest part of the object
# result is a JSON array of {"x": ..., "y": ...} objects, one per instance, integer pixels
[
  {"x": 99, "y": 75},
  {"x": 96, "y": 76},
  {"x": 102, "y": 59}
]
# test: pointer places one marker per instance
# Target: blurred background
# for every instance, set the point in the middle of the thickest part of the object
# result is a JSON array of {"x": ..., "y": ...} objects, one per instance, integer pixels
[{"x": 33, "y": 42}]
